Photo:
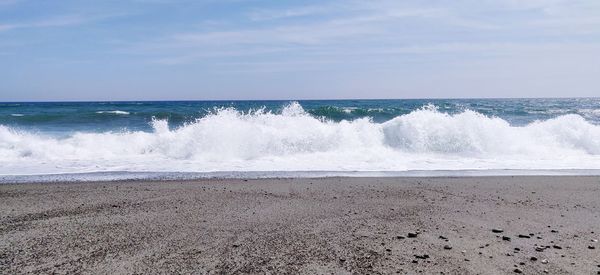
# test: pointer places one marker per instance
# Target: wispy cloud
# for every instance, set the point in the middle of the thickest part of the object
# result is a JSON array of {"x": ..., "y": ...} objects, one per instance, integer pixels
[{"x": 58, "y": 21}]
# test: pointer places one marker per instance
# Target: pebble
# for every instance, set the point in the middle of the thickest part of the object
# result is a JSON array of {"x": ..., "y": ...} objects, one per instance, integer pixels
[
  {"x": 400, "y": 237},
  {"x": 545, "y": 261},
  {"x": 497, "y": 230},
  {"x": 412, "y": 234},
  {"x": 447, "y": 247},
  {"x": 533, "y": 259},
  {"x": 518, "y": 270},
  {"x": 591, "y": 247},
  {"x": 424, "y": 256},
  {"x": 505, "y": 238},
  {"x": 524, "y": 236},
  {"x": 556, "y": 247}
]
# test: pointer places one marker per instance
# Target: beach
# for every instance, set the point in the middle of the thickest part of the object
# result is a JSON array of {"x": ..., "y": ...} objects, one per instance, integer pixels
[{"x": 427, "y": 225}]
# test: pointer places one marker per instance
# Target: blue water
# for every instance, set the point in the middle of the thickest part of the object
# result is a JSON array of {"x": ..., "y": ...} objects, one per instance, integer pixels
[
  {"x": 312, "y": 137},
  {"x": 67, "y": 117}
]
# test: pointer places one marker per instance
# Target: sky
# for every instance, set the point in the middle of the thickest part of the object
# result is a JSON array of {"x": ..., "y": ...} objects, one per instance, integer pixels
[{"x": 236, "y": 49}]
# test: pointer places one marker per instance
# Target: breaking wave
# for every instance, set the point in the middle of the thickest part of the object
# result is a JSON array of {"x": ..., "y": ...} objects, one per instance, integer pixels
[{"x": 294, "y": 140}]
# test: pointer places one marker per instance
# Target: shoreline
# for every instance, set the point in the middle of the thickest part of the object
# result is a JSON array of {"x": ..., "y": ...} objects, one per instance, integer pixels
[
  {"x": 105, "y": 176},
  {"x": 335, "y": 225}
]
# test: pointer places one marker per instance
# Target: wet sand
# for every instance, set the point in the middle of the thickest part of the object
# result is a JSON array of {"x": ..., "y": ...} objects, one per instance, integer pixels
[{"x": 310, "y": 226}]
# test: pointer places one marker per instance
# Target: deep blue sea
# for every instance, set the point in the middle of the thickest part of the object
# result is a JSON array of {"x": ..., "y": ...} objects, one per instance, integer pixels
[{"x": 311, "y": 135}]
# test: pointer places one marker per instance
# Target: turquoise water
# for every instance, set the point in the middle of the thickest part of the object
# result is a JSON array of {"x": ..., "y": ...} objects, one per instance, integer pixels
[
  {"x": 67, "y": 117},
  {"x": 271, "y": 137}
]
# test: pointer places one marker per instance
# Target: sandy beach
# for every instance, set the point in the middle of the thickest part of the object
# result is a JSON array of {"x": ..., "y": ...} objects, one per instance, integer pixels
[{"x": 472, "y": 225}]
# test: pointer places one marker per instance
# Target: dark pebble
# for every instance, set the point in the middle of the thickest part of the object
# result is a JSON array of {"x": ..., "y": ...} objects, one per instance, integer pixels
[
  {"x": 556, "y": 247},
  {"x": 412, "y": 234},
  {"x": 447, "y": 247},
  {"x": 505, "y": 238},
  {"x": 591, "y": 247},
  {"x": 497, "y": 230},
  {"x": 533, "y": 259},
  {"x": 518, "y": 270},
  {"x": 524, "y": 236}
]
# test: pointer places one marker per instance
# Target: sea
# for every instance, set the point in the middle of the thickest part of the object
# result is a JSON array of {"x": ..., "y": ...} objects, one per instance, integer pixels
[{"x": 49, "y": 141}]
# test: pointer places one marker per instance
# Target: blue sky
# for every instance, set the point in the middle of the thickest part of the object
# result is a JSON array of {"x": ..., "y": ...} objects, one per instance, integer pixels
[{"x": 234, "y": 49}]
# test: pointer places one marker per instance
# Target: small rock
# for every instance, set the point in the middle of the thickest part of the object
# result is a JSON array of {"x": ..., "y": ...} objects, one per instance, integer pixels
[
  {"x": 400, "y": 237},
  {"x": 524, "y": 236},
  {"x": 447, "y": 247},
  {"x": 545, "y": 261},
  {"x": 591, "y": 247},
  {"x": 533, "y": 259},
  {"x": 554, "y": 231},
  {"x": 518, "y": 270},
  {"x": 557, "y": 246},
  {"x": 423, "y": 257},
  {"x": 506, "y": 238},
  {"x": 497, "y": 230},
  {"x": 412, "y": 234},
  {"x": 443, "y": 238}
]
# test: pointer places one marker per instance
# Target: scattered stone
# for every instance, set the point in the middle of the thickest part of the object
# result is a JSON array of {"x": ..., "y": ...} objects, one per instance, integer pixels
[
  {"x": 545, "y": 261},
  {"x": 400, "y": 237},
  {"x": 497, "y": 230},
  {"x": 591, "y": 247},
  {"x": 521, "y": 263},
  {"x": 517, "y": 249},
  {"x": 506, "y": 238},
  {"x": 554, "y": 231},
  {"x": 524, "y": 236},
  {"x": 443, "y": 238},
  {"x": 533, "y": 259},
  {"x": 594, "y": 240},
  {"x": 422, "y": 257},
  {"x": 539, "y": 248},
  {"x": 557, "y": 246},
  {"x": 516, "y": 270},
  {"x": 447, "y": 247},
  {"x": 412, "y": 234}
]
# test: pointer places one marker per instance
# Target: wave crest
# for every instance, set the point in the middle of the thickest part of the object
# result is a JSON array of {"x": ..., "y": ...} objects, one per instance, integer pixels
[{"x": 258, "y": 140}]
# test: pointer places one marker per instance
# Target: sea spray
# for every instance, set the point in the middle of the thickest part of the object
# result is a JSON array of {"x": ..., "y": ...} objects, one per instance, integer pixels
[{"x": 227, "y": 139}]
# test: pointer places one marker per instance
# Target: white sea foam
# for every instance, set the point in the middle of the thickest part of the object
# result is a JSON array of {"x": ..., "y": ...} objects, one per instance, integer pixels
[
  {"x": 116, "y": 112},
  {"x": 228, "y": 140},
  {"x": 17, "y": 115}
]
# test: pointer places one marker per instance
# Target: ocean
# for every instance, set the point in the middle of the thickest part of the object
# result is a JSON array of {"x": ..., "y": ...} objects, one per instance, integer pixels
[{"x": 305, "y": 137}]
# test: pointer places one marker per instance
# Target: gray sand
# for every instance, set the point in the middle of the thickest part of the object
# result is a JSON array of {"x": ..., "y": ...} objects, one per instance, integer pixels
[{"x": 312, "y": 226}]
